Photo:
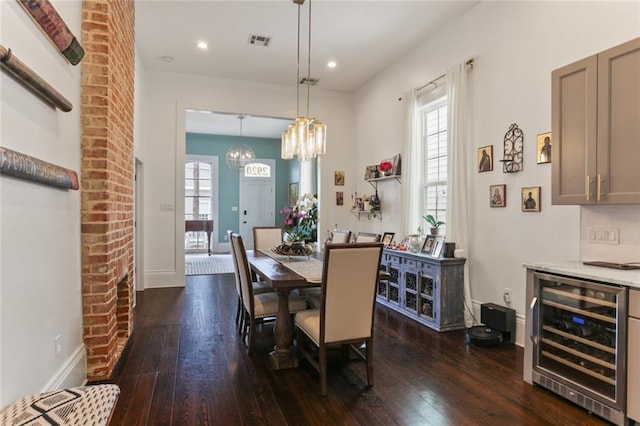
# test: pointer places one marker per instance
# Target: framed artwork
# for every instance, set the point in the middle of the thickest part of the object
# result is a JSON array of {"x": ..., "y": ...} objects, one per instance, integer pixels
[
  {"x": 338, "y": 177},
  {"x": 293, "y": 194},
  {"x": 406, "y": 240},
  {"x": 437, "y": 248},
  {"x": 427, "y": 248},
  {"x": 387, "y": 238},
  {"x": 498, "y": 195},
  {"x": 396, "y": 170},
  {"x": 544, "y": 148},
  {"x": 531, "y": 199},
  {"x": 339, "y": 198},
  {"x": 485, "y": 158},
  {"x": 371, "y": 172}
]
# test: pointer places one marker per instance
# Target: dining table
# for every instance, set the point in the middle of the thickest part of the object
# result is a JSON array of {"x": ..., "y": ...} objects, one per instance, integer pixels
[{"x": 284, "y": 274}]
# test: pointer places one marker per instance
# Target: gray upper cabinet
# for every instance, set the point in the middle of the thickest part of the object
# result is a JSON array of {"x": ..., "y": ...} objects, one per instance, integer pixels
[{"x": 595, "y": 107}]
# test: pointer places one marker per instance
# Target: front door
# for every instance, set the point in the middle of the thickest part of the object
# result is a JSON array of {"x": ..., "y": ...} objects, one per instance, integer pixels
[{"x": 257, "y": 198}]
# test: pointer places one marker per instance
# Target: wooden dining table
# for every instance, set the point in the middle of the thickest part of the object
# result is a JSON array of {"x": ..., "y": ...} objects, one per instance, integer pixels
[{"x": 283, "y": 280}]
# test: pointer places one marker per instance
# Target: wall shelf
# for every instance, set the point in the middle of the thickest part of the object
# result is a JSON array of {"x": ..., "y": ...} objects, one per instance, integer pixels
[
  {"x": 358, "y": 213},
  {"x": 374, "y": 182}
]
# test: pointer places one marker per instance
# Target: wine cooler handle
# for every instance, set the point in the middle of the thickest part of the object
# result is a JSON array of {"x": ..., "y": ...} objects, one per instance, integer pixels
[{"x": 533, "y": 314}]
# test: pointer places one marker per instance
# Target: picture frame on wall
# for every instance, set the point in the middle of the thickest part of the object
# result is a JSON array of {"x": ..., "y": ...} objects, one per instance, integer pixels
[
  {"x": 339, "y": 198},
  {"x": 485, "y": 158},
  {"x": 427, "y": 248},
  {"x": 293, "y": 194},
  {"x": 544, "y": 148},
  {"x": 498, "y": 195},
  {"x": 339, "y": 178},
  {"x": 530, "y": 199},
  {"x": 437, "y": 248}
]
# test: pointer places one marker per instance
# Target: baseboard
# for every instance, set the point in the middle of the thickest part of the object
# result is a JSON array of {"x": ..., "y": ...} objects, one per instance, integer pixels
[
  {"x": 162, "y": 279},
  {"x": 72, "y": 373},
  {"x": 520, "y": 332}
]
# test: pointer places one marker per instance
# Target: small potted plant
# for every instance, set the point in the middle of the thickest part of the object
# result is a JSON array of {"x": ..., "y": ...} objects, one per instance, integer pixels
[
  {"x": 385, "y": 167},
  {"x": 435, "y": 223}
]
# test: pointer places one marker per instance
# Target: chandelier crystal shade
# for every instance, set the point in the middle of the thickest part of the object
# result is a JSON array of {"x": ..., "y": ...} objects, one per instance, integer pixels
[
  {"x": 306, "y": 138},
  {"x": 239, "y": 156}
]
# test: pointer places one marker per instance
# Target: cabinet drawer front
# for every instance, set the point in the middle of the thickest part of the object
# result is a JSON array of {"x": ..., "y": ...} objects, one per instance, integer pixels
[
  {"x": 634, "y": 303},
  {"x": 427, "y": 267},
  {"x": 393, "y": 258},
  {"x": 410, "y": 263}
]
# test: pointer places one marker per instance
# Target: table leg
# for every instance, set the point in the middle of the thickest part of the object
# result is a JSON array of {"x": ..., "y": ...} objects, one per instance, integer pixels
[
  {"x": 282, "y": 355},
  {"x": 209, "y": 243}
]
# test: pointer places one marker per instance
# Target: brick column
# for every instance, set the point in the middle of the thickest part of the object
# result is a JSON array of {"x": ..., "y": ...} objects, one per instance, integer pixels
[{"x": 107, "y": 182}]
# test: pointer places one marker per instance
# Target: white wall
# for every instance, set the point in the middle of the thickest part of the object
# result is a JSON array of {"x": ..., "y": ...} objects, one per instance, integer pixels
[
  {"x": 516, "y": 45},
  {"x": 40, "y": 286},
  {"x": 165, "y": 96}
]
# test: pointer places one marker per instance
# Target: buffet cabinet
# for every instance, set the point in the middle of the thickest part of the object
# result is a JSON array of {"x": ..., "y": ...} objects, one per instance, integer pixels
[{"x": 427, "y": 289}]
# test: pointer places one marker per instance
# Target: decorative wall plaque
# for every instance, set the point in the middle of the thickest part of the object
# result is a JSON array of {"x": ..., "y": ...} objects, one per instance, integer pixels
[{"x": 513, "y": 145}]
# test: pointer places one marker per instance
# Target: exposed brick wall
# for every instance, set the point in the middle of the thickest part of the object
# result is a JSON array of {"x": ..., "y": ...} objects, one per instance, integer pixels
[{"x": 107, "y": 181}]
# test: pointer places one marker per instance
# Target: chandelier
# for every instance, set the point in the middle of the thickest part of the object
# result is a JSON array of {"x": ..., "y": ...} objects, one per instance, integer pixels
[
  {"x": 239, "y": 155},
  {"x": 306, "y": 137}
]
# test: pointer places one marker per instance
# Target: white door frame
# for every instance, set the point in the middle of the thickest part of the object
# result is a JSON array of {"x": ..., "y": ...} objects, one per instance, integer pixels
[{"x": 138, "y": 227}]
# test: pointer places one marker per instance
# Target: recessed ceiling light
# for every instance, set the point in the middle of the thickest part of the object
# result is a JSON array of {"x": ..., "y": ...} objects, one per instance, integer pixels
[
  {"x": 332, "y": 64},
  {"x": 202, "y": 45}
]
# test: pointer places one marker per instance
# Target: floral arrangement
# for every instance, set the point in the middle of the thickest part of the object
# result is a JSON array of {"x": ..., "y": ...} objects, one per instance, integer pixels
[
  {"x": 301, "y": 222},
  {"x": 385, "y": 166}
]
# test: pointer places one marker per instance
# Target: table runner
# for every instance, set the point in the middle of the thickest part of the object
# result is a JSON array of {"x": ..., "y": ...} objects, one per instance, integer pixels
[{"x": 307, "y": 267}]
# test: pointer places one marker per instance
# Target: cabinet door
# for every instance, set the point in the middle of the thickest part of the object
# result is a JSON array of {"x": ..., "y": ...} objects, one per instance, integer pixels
[
  {"x": 619, "y": 124},
  {"x": 573, "y": 126}
]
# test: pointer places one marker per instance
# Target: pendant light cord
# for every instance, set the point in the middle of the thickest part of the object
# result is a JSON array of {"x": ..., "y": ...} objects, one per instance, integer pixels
[
  {"x": 298, "y": 70},
  {"x": 309, "y": 64}
]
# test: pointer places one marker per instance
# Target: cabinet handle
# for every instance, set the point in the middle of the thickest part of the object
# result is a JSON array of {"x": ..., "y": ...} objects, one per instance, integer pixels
[
  {"x": 589, "y": 182},
  {"x": 534, "y": 320},
  {"x": 600, "y": 181}
]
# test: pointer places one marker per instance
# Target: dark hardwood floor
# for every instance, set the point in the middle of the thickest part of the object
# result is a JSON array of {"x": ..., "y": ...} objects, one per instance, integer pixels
[{"x": 186, "y": 365}]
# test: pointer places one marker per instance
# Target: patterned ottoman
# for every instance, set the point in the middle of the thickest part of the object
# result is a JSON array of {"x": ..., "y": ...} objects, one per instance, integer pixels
[{"x": 82, "y": 406}]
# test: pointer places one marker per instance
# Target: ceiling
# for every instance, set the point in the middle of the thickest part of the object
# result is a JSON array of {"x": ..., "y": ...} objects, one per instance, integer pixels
[{"x": 362, "y": 37}]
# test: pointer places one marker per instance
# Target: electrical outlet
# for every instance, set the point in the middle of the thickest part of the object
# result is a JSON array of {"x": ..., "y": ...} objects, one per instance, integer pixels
[
  {"x": 226, "y": 237},
  {"x": 58, "y": 345},
  {"x": 598, "y": 235},
  {"x": 506, "y": 296}
]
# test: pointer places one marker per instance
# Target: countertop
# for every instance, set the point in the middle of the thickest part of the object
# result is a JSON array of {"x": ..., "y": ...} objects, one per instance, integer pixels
[{"x": 629, "y": 278}]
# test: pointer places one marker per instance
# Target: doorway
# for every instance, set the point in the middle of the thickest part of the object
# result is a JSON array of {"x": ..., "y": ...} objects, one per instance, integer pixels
[{"x": 257, "y": 197}]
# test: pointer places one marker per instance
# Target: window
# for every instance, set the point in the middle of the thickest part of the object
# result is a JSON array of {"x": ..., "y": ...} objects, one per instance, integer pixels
[
  {"x": 198, "y": 200},
  {"x": 434, "y": 173}
]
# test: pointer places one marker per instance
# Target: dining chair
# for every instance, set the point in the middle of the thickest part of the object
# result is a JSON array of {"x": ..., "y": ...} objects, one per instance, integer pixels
[
  {"x": 340, "y": 236},
  {"x": 367, "y": 237},
  {"x": 262, "y": 307},
  {"x": 266, "y": 237},
  {"x": 258, "y": 286},
  {"x": 346, "y": 314}
]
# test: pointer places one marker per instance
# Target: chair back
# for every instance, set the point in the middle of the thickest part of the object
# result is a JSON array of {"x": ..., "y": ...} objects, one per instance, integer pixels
[
  {"x": 235, "y": 263},
  {"x": 367, "y": 237},
  {"x": 341, "y": 236},
  {"x": 349, "y": 282},
  {"x": 266, "y": 237},
  {"x": 244, "y": 273}
]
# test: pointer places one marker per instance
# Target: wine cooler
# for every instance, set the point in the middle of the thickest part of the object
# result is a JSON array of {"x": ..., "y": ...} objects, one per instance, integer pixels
[{"x": 578, "y": 330}]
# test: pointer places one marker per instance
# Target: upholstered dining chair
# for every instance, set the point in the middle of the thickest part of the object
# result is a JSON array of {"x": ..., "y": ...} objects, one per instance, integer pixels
[
  {"x": 258, "y": 286},
  {"x": 340, "y": 236},
  {"x": 262, "y": 307},
  {"x": 345, "y": 317},
  {"x": 367, "y": 237},
  {"x": 266, "y": 237}
]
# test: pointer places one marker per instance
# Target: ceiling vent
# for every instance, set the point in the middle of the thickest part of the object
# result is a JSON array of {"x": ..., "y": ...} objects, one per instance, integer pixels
[
  {"x": 258, "y": 40},
  {"x": 312, "y": 81}
]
